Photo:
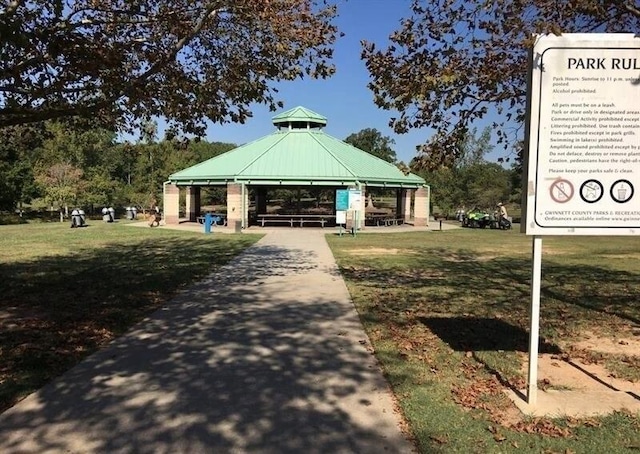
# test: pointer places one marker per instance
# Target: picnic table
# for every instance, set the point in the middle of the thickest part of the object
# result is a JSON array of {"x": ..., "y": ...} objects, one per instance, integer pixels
[
  {"x": 382, "y": 219},
  {"x": 295, "y": 219}
]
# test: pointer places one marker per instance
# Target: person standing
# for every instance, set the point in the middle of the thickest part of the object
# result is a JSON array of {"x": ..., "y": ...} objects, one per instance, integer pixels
[{"x": 502, "y": 210}]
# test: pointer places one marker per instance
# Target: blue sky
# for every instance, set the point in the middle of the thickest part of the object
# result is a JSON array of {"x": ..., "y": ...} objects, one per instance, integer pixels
[{"x": 344, "y": 98}]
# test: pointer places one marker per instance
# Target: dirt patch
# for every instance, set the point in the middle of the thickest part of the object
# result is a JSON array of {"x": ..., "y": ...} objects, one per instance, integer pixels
[
  {"x": 461, "y": 258},
  {"x": 556, "y": 372},
  {"x": 621, "y": 346},
  {"x": 575, "y": 387},
  {"x": 376, "y": 251},
  {"x": 620, "y": 256}
]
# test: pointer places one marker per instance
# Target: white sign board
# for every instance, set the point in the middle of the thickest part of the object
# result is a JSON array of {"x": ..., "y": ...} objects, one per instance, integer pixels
[
  {"x": 583, "y": 174},
  {"x": 355, "y": 199},
  {"x": 341, "y": 217}
]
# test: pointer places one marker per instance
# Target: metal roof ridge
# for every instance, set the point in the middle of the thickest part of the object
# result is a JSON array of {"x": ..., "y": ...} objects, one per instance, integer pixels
[
  {"x": 331, "y": 153},
  {"x": 265, "y": 151}
]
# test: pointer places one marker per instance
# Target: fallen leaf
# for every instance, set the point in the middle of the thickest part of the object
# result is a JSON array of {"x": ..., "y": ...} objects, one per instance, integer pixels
[
  {"x": 442, "y": 439},
  {"x": 499, "y": 437}
]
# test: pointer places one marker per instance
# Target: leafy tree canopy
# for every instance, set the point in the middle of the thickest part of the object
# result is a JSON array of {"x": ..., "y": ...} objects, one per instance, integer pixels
[
  {"x": 473, "y": 148},
  {"x": 373, "y": 142},
  {"x": 17, "y": 182},
  {"x": 75, "y": 162},
  {"x": 189, "y": 61},
  {"x": 454, "y": 61}
]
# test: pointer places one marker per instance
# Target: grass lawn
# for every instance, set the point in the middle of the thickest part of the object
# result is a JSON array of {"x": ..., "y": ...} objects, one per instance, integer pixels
[
  {"x": 66, "y": 292},
  {"x": 448, "y": 314}
]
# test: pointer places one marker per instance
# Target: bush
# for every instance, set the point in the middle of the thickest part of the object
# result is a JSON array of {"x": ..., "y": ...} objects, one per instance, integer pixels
[{"x": 11, "y": 219}]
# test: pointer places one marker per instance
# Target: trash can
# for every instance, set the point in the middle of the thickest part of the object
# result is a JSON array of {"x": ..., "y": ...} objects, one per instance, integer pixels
[
  {"x": 75, "y": 219},
  {"x": 238, "y": 227},
  {"x": 134, "y": 213},
  {"x": 208, "y": 221},
  {"x": 129, "y": 211},
  {"x": 83, "y": 218},
  {"x": 112, "y": 213},
  {"x": 106, "y": 217}
]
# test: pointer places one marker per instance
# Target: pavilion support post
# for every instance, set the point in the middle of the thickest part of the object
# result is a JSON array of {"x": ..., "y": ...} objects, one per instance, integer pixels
[
  {"x": 363, "y": 206},
  {"x": 237, "y": 204},
  {"x": 421, "y": 207},
  {"x": 244, "y": 199},
  {"x": 261, "y": 200},
  {"x": 234, "y": 203},
  {"x": 193, "y": 203},
  {"x": 406, "y": 204},
  {"x": 171, "y": 204}
]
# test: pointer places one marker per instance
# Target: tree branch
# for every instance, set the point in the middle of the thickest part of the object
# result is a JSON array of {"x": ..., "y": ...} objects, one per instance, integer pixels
[
  {"x": 11, "y": 8},
  {"x": 208, "y": 14},
  {"x": 631, "y": 8},
  {"x": 15, "y": 117}
]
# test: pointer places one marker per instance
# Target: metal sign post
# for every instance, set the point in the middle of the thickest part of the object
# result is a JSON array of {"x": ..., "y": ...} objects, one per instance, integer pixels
[
  {"x": 534, "y": 333},
  {"x": 341, "y": 219}
]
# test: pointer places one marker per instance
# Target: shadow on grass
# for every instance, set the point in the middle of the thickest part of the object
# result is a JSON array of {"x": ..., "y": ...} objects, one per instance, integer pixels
[
  {"x": 482, "y": 334},
  {"x": 437, "y": 300},
  {"x": 594, "y": 288},
  {"x": 56, "y": 310},
  {"x": 463, "y": 281}
]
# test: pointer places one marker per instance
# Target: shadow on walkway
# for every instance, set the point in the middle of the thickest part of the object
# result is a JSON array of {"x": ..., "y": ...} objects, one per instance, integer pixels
[{"x": 266, "y": 355}]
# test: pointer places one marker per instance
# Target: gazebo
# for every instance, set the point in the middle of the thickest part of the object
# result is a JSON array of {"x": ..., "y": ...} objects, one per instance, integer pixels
[{"x": 297, "y": 154}]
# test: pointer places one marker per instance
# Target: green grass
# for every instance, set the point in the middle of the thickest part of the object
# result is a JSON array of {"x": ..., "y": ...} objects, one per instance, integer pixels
[
  {"x": 448, "y": 314},
  {"x": 66, "y": 292}
]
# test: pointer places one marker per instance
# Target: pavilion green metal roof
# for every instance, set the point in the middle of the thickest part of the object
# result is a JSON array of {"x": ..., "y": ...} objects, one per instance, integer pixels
[{"x": 297, "y": 156}]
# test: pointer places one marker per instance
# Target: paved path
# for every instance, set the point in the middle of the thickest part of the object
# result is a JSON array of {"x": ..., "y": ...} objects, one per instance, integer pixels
[{"x": 267, "y": 355}]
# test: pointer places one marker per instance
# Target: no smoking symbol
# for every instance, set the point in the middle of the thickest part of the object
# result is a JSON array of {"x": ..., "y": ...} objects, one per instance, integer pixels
[{"x": 561, "y": 190}]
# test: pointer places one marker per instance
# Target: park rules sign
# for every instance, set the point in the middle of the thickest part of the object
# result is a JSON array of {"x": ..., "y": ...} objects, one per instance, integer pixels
[{"x": 582, "y": 169}]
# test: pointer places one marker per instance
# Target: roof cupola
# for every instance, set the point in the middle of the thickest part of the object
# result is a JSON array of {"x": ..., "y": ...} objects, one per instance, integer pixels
[{"x": 299, "y": 118}]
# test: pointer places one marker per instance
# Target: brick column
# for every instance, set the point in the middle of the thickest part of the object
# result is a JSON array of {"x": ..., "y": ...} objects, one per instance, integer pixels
[
  {"x": 234, "y": 204},
  {"x": 193, "y": 203},
  {"x": 171, "y": 204},
  {"x": 421, "y": 207}
]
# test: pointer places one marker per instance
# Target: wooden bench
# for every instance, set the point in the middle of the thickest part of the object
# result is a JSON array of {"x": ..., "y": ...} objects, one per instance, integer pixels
[{"x": 295, "y": 219}]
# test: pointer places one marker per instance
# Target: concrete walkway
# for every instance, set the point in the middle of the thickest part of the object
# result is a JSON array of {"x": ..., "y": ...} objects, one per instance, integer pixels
[{"x": 267, "y": 355}]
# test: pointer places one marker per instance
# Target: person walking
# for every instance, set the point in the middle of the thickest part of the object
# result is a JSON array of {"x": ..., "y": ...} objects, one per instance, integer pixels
[{"x": 155, "y": 217}]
